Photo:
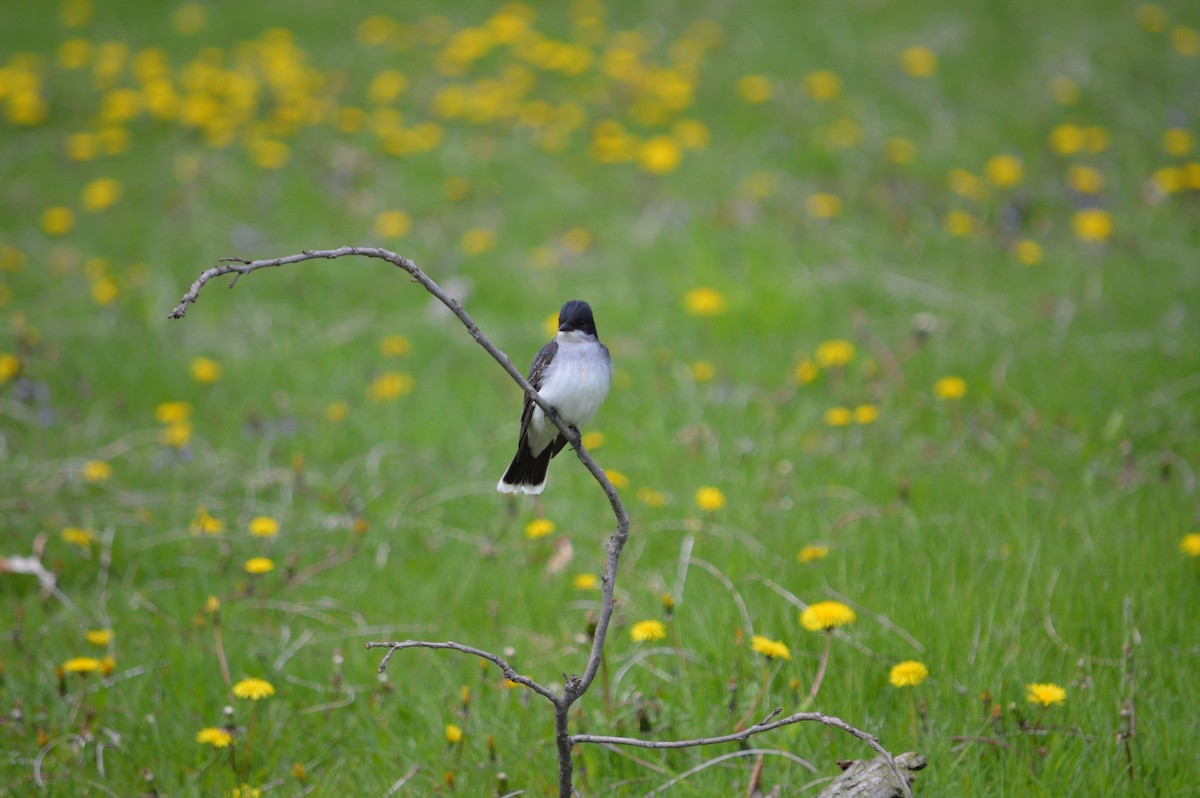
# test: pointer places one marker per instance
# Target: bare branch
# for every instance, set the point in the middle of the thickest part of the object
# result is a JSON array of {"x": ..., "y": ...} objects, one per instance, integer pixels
[
  {"x": 510, "y": 673},
  {"x": 757, "y": 728}
]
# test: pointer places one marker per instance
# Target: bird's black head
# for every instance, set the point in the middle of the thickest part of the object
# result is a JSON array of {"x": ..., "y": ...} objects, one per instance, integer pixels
[{"x": 576, "y": 315}]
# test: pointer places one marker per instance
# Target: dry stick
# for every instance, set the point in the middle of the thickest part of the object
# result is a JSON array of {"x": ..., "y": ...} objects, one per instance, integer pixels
[{"x": 575, "y": 686}]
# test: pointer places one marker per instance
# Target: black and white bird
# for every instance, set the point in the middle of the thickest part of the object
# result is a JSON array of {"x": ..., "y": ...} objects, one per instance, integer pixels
[{"x": 572, "y": 373}]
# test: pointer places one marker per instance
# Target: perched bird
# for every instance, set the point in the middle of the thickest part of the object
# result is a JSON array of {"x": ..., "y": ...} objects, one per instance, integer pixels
[{"x": 572, "y": 373}]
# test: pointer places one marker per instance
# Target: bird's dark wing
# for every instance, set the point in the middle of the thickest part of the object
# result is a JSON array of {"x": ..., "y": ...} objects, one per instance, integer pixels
[{"x": 537, "y": 372}]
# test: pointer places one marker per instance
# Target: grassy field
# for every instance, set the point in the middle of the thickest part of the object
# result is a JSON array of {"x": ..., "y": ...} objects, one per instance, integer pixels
[{"x": 903, "y": 303}]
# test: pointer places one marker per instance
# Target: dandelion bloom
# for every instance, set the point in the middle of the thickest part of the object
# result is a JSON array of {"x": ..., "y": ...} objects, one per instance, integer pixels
[
  {"x": 823, "y": 205},
  {"x": 834, "y": 352},
  {"x": 702, "y": 370},
  {"x": 390, "y": 385},
  {"x": 539, "y": 528},
  {"x": 838, "y": 416},
  {"x": 900, "y": 150},
  {"x": 478, "y": 241},
  {"x": 866, "y": 414},
  {"x": 454, "y": 734},
  {"x": 392, "y": 224},
  {"x": 336, "y": 411},
  {"x": 704, "y": 301},
  {"x": 58, "y": 220},
  {"x": 1085, "y": 179},
  {"x": 264, "y": 526},
  {"x": 101, "y": 194},
  {"x": 1028, "y": 252},
  {"x": 217, "y": 738},
  {"x": 1045, "y": 694},
  {"x": 82, "y": 665},
  {"x": 647, "y": 630},
  {"x": 254, "y": 689},
  {"x": 585, "y": 581},
  {"x": 805, "y": 371},
  {"x": 652, "y": 498},
  {"x": 755, "y": 89},
  {"x": 920, "y": 62},
  {"x": 173, "y": 412},
  {"x": 618, "y": 479},
  {"x": 771, "y": 649},
  {"x": 812, "y": 552},
  {"x": 826, "y": 615},
  {"x": 593, "y": 439},
  {"x": 709, "y": 498},
  {"x": 205, "y": 370},
  {"x": 99, "y": 637},
  {"x": 394, "y": 346},
  {"x": 822, "y": 84},
  {"x": 1092, "y": 225},
  {"x": 1004, "y": 171},
  {"x": 1067, "y": 139},
  {"x": 258, "y": 565},
  {"x": 908, "y": 674},
  {"x": 10, "y": 366},
  {"x": 1190, "y": 545},
  {"x": 950, "y": 388},
  {"x": 659, "y": 155},
  {"x": 83, "y": 538},
  {"x": 96, "y": 471},
  {"x": 959, "y": 223}
]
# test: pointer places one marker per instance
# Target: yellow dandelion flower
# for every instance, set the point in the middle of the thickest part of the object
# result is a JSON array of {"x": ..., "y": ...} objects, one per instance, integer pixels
[
  {"x": 82, "y": 146},
  {"x": 539, "y": 528},
  {"x": 900, "y": 150},
  {"x": 866, "y": 414},
  {"x": 710, "y": 499},
  {"x": 392, "y": 224},
  {"x": 586, "y": 581},
  {"x": 336, "y": 411},
  {"x": 592, "y": 440},
  {"x": 950, "y": 387},
  {"x": 107, "y": 666},
  {"x": 1085, "y": 179},
  {"x": 212, "y": 604},
  {"x": 1177, "y": 141},
  {"x": 386, "y": 86},
  {"x": 478, "y": 241},
  {"x": 390, "y": 385},
  {"x": 96, "y": 471},
  {"x": 1064, "y": 90},
  {"x": 704, "y": 301},
  {"x": 812, "y": 552},
  {"x": 908, "y": 674},
  {"x": 617, "y": 478},
  {"x": 965, "y": 184},
  {"x": 253, "y": 689},
  {"x": 834, "y": 353},
  {"x": 1168, "y": 179},
  {"x": 58, "y": 220},
  {"x": 771, "y": 649},
  {"x": 99, "y": 637},
  {"x": 1190, "y": 545},
  {"x": 264, "y": 526},
  {"x": 394, "y": 346},
  {"x": 189, "y": 19},
  {"x": 652, "y": 498},
  {"x": 206, "y": 524},
  {"x": 826, "y": 615},
  {"x": 10, "y": 366},
  {"x": 822, "y": 85},
  {"x": 691, "y": 133},
  {"x": 805, "y": 371},
  {"x": 1152, "y": 18},
  {"x": 823, "y": 205},
  {"x": 173, "y": 412},
  {"x": 920, "y": 62},
  {"x": 258, "y": 565},
  {"x": 176, "y": 434},
  {"x": 659, "y": 155},
  {"x": 101, "y": 194},
  {"x": 82, "y": 665},
  {"x": 1185, "y": 40},
  {"x": 1093, "y": 225},
  {"x": 246, "y": 791},
  {"x": 1068, "y": 139},
  {"x": 959, "y": 223},
  {"x": 838, "y": 416},
  {"x": 1028, "y": 252},
  {"x": 702, "y": 370},
  {"x": 82, "y": 538},
  {"x": 454, "y": 735},
  {"x": 755, "y": 89},
  {"x": 205, "y": 370},
  {"x": 217, "y": 738},
  {"x": 104, "y": 290},
  {"x": 1004, "y": 171},
  {"x": 1045, "y": 694},
  {"x": 647, "y": 630}
]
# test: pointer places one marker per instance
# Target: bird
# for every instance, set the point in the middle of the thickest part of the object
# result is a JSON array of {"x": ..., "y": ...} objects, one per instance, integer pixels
[{"x": 572, "y": 373}]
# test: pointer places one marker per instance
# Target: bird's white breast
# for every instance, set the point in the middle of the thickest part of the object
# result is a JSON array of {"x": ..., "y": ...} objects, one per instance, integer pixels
[{"x": 575, "y": 383}]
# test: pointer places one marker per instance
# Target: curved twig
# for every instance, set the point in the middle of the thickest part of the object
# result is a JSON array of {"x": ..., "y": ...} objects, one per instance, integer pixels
[{"x": 510, "y": 673}]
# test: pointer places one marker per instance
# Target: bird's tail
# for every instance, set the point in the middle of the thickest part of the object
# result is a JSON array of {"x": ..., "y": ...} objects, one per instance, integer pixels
[{"x": 527, "y": 471}]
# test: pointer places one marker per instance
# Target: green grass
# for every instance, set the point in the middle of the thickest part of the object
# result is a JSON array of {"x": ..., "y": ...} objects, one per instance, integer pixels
[{"x": 998, "y": 539}]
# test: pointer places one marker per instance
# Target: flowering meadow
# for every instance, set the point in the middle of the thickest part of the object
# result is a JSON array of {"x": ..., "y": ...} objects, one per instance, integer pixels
[{"x": 904, "y": 304}]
